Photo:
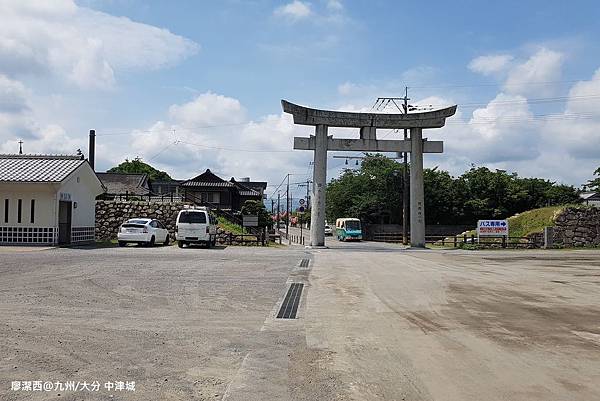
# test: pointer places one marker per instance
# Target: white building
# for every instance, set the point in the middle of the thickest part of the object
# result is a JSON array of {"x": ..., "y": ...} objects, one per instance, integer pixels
[
  {"x": 47, "y": 199},
  {"x": 591, "y": 198}
]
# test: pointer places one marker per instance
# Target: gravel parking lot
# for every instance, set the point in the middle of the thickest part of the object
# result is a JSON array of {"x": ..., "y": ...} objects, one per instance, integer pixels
[
  {"x": 375, "y": 322},
  {"x": 177, "y": 322}
]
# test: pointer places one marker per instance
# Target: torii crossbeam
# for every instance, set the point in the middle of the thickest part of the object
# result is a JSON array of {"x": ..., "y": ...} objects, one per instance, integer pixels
[{"x": 368, "y": 123}]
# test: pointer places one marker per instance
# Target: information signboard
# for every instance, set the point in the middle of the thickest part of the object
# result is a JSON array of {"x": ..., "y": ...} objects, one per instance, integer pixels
[
  {"x": 250, "y": 221},
  {"x": 492, "y": 228}
]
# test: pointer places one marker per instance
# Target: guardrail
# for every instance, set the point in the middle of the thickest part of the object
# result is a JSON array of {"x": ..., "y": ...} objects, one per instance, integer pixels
[
  {"x": 457, "y": 241},
  {"x": 243, "y": 239}
]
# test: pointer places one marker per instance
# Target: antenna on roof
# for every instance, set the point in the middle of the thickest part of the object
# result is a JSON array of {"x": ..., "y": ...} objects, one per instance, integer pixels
[{"x": 20, "y": 147}]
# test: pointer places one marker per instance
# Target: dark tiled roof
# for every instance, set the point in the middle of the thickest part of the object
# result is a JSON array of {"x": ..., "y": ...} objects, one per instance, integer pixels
[
  {"x": 244, "y": 190},
  {"x": 38, "y": 168},
  {"x": 117, "y": 183},
  {"x": 256, "y": 185},
  {"x": 206, "y": 184}
]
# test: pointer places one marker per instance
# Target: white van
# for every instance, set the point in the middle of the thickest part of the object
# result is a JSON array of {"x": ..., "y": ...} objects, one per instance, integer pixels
[{"x": 195, "y": 226}]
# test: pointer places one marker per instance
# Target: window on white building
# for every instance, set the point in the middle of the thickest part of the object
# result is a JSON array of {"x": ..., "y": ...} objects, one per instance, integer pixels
[
  {"x": 32, "y": 214},
  {"x": 19, "y": 210}
]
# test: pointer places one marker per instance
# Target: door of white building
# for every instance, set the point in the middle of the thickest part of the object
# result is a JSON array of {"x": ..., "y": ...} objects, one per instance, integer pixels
[{"x": 64, "y": 222}]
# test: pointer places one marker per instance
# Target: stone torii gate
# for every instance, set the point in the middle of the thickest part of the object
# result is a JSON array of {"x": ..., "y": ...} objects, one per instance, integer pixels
[{"x": 368, "y": 123}]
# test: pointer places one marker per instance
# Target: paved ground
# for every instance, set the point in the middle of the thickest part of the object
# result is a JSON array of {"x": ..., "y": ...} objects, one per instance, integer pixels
[{"x": 375, "y": 323}]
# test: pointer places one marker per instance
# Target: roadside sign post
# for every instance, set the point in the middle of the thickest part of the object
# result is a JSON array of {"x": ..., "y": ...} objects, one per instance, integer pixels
[
  {"x": 492, "y": 228},
  {"x": 300, "y": 216},
  {"x": 250, "y": 221},
  {"x": 300, "y": 213}
]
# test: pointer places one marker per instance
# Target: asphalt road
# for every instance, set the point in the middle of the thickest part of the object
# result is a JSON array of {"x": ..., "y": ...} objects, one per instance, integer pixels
[{"x": 375, "y": 322}]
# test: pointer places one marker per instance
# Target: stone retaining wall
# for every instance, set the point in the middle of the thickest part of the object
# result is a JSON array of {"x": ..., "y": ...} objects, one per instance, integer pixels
[
  {"x": 577, "y": 226},
  {"x": 111, "y": 214}
]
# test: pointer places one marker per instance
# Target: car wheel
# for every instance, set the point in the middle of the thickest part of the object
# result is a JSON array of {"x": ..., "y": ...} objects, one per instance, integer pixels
[
  {"x": 166, "y": 240},
  {"x": 180, "y": 244},
  {"x": 122, "y": 243},
  {"x": 151, "y": 243}
]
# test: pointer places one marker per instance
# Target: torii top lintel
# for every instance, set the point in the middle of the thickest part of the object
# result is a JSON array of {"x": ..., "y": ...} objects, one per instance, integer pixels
[{"x": 307, "y": 116}]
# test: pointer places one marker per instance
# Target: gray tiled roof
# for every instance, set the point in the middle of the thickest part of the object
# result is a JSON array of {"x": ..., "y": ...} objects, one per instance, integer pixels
[
  {"x": 37, "y": 168},
  {"x": 206, "y": 184}
]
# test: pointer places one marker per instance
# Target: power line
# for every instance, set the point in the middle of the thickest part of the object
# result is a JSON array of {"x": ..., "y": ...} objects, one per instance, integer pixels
[
  {"x": 190, "y": 128},
  {"x": 503, "y": 84},
  {"x": 236, "y": 149},
  {"x": 525, "y": 101}
]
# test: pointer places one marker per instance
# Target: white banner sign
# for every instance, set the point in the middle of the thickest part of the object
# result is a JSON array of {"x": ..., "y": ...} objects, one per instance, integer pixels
[{"x": 492, "y": 227}]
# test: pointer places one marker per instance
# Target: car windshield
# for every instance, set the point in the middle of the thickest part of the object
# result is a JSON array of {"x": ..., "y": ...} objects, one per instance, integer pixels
[
  {"x": 192, "y": 217},
  {"x": 137, "y": 221},
  {"x": 353, "y": 225}
]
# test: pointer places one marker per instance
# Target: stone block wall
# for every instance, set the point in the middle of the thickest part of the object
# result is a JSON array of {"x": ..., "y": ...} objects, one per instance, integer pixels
[
  {"x": 577, "y": 227},
  {"x": 111, "y": 214}
]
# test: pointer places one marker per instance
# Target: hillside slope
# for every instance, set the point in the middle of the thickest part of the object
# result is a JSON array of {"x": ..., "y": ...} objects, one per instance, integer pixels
[{"x": 533, "y": 220}]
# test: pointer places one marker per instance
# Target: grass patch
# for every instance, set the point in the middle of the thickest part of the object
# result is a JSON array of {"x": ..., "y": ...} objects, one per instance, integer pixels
[
  {"x": 528, "y": 222},
  {"x": 106, "y": 243},
  {"x": 532, "y": 221},
  {"x": 231, "y": 227}
]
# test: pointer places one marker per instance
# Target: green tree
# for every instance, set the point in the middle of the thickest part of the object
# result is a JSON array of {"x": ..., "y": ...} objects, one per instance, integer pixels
[
  {"x": 594, "y": 184},
  {"x": 257, "y": 208},
  {"x": 137, "y": 166},
  {"x": 374, "y": 194}
]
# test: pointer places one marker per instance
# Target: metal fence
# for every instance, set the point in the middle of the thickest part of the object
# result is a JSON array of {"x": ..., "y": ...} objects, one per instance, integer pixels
[
  {"x": 244, "y": 239},
  {"x": 457, "y": 241},
  {"x": 150, "y": 197}
]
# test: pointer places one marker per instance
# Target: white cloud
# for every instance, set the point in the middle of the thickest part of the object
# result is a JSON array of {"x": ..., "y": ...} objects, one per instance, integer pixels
[
  {"x": 490, "y": 64},
  {"x": 295, "y": 10},
  {"x": 503, "y": 131},
  {"x": 543, "y": 66},
  {"x": 81, "y": 45},
  {"x": 208, "y": 109},
  {"x": 335, "y": 5},
  {"x": 233, "y": 146},
  {"x": 60, "y": 43},
  {"x": 13, "y": 96},
  {"x": 584, "y": 96}
]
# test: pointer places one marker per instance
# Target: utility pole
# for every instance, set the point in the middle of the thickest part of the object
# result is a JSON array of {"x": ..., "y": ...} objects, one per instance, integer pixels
[
  {"x": 287, "y": 202},
  {"x": 307, "y": 185},
  {"x": 382, "y": 103},
  {"x": 278, "y": 202},
  {"x": 405, "y": 194},
  {"x": 272, "y": 207}
]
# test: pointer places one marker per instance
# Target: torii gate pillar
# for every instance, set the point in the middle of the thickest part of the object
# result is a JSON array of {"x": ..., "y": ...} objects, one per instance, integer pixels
[
  {"x": 368, "y": 123},
  {"x": 317, "y": 213},
  {"x": 417, "y": 190}
]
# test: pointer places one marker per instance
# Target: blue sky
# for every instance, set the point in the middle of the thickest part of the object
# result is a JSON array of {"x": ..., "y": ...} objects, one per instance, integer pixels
[{"x": 152, "y": 76}]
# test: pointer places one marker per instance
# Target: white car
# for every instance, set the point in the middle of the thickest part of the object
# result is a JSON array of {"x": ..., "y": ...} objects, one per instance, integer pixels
[
  {"x": 143, "y": 231},
  {"x": 328, "y": 230},
  {"x": 196, "y": 226}
]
